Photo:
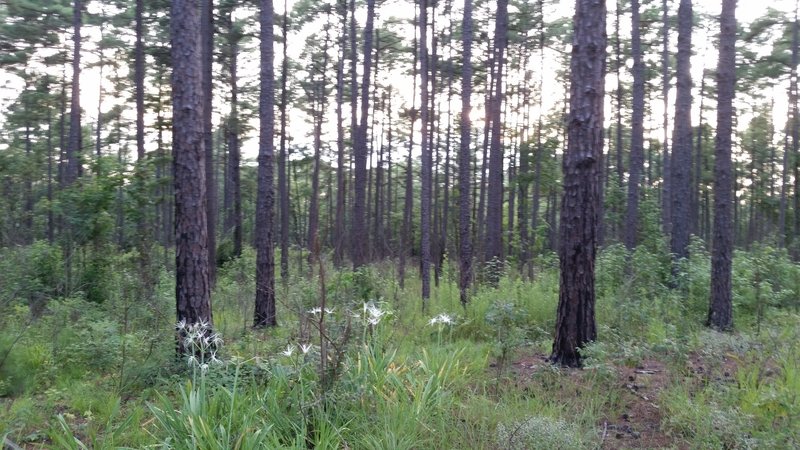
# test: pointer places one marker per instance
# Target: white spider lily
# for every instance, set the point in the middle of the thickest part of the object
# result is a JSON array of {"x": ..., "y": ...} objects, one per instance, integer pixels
[
  {"x": 442, "y": 319},
  {"x": 180, "y": 326},
  {"x": 214, "y": 359},
  {"x": 289, "y": 351},
  {"x": 315, "y": 311},
  {"x": 305, "y": 348},
  {"x": 204, "y": 367}
]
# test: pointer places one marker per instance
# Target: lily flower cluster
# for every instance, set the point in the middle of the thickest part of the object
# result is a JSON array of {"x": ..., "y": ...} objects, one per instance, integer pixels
[
  {"x": 317, "y": 311},
  {"x": 442, "y": 319},
  {"x": 372, "y": 314},
  {"x": 290, "y": 349},
  {"x": 200, "y": 343}
]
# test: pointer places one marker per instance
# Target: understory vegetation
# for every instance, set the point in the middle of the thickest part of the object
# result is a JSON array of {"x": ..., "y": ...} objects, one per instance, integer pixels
[{"x": 97, "y": 369}]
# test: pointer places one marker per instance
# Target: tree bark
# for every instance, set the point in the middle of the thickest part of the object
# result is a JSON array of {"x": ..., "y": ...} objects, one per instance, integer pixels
[
  {"x": 666, "y": 197},
  {"x": 360, "y": 244},
  {"x": 264, "y": 315},
  {"x": 192, "y": 286},
  {"x": 637, "y": 131},
  {"x": 494, "y": 200},
  {"x": 427, "y": 157},
  {"x": 74, "y": 145},
  {"x": 681, "y": 161},
  {"x": 720, "y": 313},
  {"x": 283, "y": 175},
  {"x": 341, "y": 192},
  {"x": 575, "y": 326},
  {"x": 207, "y": 30}
]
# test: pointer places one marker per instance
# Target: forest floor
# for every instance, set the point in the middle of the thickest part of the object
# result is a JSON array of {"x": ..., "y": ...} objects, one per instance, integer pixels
[{"x": 86, "y": 376}]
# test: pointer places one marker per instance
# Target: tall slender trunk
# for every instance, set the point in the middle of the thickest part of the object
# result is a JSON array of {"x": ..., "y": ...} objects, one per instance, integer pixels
[
  {"x": 637, "y": 131},
  {"x": 464, "y": 151},
  {"x": 720, "y": 312},
  {"x": 138, "y": 77},
  {"x": 50, "y": 216},
  {"x": 283, "y": 175},
  {"x": 666, "y": 181},
  {"x": 319, "y": 116},
  {"x": 264, "y": 314},
  {"x": 360, "y": 245},
  {"x": 427, "y": 157},
  {"x": 680, "y": 164},
  {"x": 74, "y": 146},
  {"x": 234, "y": 157},
  {"x": 494, "y": 201},
  {"x": 207, "y": 30},
  {"x": 408, "y": 201},
  {"x": 98, "y": 146},
  {"x": 341, "y": 186}
]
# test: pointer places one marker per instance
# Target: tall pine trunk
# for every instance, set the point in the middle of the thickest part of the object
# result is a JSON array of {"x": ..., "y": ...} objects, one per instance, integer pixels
[
  {"x": 264, "y": 314},
  {"x": 192, "y": 284},
  {"x": 360, "y": 243},
  {"x": 464, "y": 158},
  {"x": 720, "y": 313},
  {"x": 637, "y": 131},
  {"x": 494, "y": 200},
  {"x": 575, "y": 326},
  {"x": 681, "y": 160}
]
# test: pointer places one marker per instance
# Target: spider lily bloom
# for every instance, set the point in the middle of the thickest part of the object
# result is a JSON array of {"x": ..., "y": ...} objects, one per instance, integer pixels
[
  {"x": 180, "y": 326},
  {"x": 305, "y": 348},
  {"x": 289, "y": 351},
  {"x": 444, "y": 319}
]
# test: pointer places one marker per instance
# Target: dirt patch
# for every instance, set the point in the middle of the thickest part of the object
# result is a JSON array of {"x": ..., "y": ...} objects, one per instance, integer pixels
[{"x": 639, "y": 425}]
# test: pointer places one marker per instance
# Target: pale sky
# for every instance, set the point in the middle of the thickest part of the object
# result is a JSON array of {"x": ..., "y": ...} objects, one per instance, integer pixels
[{"x": 705, "y": 55}]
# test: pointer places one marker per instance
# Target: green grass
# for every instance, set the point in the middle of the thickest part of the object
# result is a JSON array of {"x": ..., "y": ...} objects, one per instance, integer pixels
[{"x": 103, "y": 375}]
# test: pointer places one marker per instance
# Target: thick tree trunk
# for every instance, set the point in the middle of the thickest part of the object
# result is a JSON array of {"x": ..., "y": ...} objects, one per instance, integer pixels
[
  {"x": 192, "y": 286},
  {"x": 576, "y": 325},
  {"x": 264, "y": 315},
  {"x": 720, "y": 313}
]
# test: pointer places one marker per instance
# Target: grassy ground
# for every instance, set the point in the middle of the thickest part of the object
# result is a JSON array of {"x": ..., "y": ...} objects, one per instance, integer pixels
[{"x": 103, "y": 375}]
